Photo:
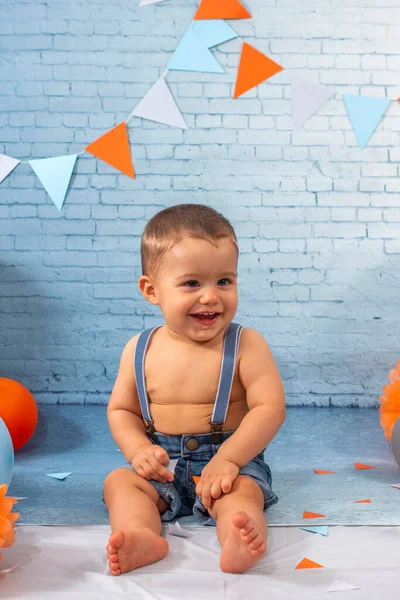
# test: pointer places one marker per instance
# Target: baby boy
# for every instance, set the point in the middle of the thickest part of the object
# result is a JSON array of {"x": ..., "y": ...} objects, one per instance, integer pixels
[{"x": 201, "y": 391}]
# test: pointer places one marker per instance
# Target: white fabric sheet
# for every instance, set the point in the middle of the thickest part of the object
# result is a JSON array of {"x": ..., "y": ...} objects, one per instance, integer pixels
[{"x": 64, "y": 562}]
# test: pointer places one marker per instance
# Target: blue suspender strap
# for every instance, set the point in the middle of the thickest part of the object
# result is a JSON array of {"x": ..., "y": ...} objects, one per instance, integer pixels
[
  {"x": 140, "y": 353},
  {"x": 231, "y": 345}
]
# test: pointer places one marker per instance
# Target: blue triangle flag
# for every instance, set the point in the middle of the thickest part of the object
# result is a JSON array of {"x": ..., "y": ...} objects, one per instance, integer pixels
[
  {"x": 192, "y": 55},
  {"x": 322, "y": 529},
  {"x": 59, "y": 476},
  {"x": 365, "y": 112},
  {"x": 213, "y": 32},
  {"x": 54, "y": 175}
]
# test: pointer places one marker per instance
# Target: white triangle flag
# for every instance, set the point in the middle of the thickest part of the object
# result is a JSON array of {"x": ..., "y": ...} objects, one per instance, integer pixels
[
  {"x": 7, "y": 164},
  {"x": 146, "y": 2},
  {"x": 159, "y": 105},
  {"x": 338, "y": 585},
  {"x": 54, "y": 174},
  {"x": 307, "y": 98}
]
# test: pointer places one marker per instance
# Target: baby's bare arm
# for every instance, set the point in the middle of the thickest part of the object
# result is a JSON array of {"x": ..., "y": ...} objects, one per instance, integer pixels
[
  {"x": 123, "y": 411},
  {"x": 265, "y": 398}
]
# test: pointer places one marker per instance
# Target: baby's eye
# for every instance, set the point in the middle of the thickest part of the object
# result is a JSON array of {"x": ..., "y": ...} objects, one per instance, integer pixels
[{"x": 194, "y": 281}]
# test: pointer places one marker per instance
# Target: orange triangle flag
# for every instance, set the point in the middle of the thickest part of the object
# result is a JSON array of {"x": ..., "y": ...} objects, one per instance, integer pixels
[
  {"x": 196, "y": 479},
  {"x": 254, "y": 67},
  {"x": 311, "y": 515},
  {"x": 321, "y": 472},
  {"x": 366, "y": 501},
  {"x": 360, "y": 466},
  {"x": 306, "y": 563},
  {"x": 113, "y": 148},
  {"x": 222, "y": 9}
]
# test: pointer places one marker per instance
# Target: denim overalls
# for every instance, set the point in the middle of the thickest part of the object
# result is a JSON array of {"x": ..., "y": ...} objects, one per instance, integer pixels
[{"x": 194, "y": 451}]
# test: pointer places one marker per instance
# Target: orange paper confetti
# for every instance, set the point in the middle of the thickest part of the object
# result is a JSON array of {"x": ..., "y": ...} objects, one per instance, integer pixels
[
  {"x": 7, "y": 518},
  {"x": 311, "y": 515},
  {"x": 196, "y": 479},
  {"x": 306, "y": 563},
  {"x": 322, "y": 472},
  {"x": 254, "y": 67},
  {"x": 113, "y": 147},
  {"x": 222, "y": 9},
  {"x": 366, "y": 501},
  {"x": 360, "y": 466}
]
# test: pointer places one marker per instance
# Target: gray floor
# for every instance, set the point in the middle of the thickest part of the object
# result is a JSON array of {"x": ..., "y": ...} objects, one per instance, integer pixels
[{"x": 77, "y": 439}]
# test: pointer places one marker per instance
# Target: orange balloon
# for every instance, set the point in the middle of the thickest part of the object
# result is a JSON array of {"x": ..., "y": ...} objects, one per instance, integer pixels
[{"x": 18, "y": 410}]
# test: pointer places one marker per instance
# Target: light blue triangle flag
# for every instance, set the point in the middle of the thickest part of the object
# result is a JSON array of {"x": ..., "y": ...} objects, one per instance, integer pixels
[
  {"x": 213, "y": 32},
  {"x": 54, "y": 175},
  {"x": 365, "y": 112},
  {"x": 192, "y": 55},
  {"x": 59, "y": 476},
  {"x": 322, "y": 529}
]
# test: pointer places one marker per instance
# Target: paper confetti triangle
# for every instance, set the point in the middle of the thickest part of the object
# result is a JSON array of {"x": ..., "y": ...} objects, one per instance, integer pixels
[
  {"x": 60, "y": 476},
  {"x": 395, "y": 485},
  {"x": 113, "y": 148},
  {"x": 159, "y": 105},
  {"x": 176, "y": 529},
  {"x": 311, "y": 515},
  {"x": 55, "y": 174},
  {"x": 214, "y": 32},
  {"x": 172, "y": 464},
  {"x": 321, "y": 529},
  {"x": 306, "y": 563},
  {"x": 192, "y": 55},
  {"x": 254, "y": 67},
  {"x": 146, "y": 2},
  {"x": 365, "y": 112},
  {"x": 307, "y": 99},
  {"x": 221, "y": 9},
  {"x": 366, "y": 501},
  {"x": 322, "y": 472},
  {"x": 7, "y": 164},
  {"x": 360, "y": 466},
  {"x": 196, "y": 479},
  {"x": 338, "y": 585}
]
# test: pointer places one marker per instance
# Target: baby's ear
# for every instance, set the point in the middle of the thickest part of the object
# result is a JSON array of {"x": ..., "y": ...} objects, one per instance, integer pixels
[{"x": 147, "y": 287}]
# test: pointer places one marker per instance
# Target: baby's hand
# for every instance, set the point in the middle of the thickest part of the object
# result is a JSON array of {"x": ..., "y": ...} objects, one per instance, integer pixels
[
  {"x": 217, "y": 478},
  {"x": 148, "y": 462}
]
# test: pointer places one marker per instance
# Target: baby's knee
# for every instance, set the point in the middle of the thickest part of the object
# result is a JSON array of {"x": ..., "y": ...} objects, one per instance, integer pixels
[
  {"x": 246, "y": 486},
  {"x": 122, "y": 479}
]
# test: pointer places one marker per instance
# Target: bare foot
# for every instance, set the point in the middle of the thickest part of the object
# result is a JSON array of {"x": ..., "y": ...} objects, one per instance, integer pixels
[
  {"x": 134, "y": 548},
  {"x": 243, "y": 546}
]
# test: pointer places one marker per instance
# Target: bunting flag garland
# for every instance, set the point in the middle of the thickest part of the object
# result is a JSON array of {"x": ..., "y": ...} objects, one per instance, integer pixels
[
  {"x": 113, "y": 148},
  {"x": 55, "y": 174},
  {"x": 254, "y": 67},
  {"x": 214, "y": 32},
  {"x": 7, "y": 164},
  {"x": 192, "y": 55},
  {"x": 365, "y": 112},
  {"x": 307, "y": 99},
  {"x": 221, "y": 9},
  {"x": 159, "y": 105}
]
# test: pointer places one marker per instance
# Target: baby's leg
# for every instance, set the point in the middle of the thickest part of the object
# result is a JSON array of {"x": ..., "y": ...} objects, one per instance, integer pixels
[
  {"x": 241, "y": 525},
  {"x": 133, "y": 505}
]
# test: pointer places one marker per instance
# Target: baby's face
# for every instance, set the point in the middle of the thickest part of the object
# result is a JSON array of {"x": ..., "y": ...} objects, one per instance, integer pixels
[{"x": 198, "y": 277}]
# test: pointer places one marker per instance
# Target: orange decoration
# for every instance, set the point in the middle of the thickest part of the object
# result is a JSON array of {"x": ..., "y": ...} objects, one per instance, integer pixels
[
  {"x": 390, "y": 402},
  {"x": 113, "y": 148},
  {"x": 360, "y": 466},
  {"x": 366, "y": 501},
  {"x": 311, "y": 515},
  {"x": 196, "y": 479},
  {"x": 7, "y": 518},
  {"x": 18, "y": 410},
  {"x": 306, "y": 563},
  {"x": 321, "y": 472},
  {"x": 221, "y": 9},
  {"x": 254, "y": 67}
]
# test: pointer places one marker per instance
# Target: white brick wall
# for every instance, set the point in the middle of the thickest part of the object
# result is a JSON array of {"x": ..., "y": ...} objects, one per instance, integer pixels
[{"x": 318, "y": 220}]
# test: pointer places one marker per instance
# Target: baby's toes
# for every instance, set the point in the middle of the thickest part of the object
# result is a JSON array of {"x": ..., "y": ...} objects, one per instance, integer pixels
[{"x": 258, "y": 546}]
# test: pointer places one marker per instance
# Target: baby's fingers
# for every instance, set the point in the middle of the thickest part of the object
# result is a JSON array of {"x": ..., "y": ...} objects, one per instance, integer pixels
[
  {"x": 226, "y": 485},
  {"x": 162, "y": 474}
]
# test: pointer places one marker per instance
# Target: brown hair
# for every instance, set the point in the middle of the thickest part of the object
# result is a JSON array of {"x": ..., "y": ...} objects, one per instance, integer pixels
[{"x": 171, "y": 225}]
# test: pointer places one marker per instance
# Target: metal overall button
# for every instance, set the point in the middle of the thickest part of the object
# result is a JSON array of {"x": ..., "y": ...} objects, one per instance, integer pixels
[{"x": 192, "y": 444}]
